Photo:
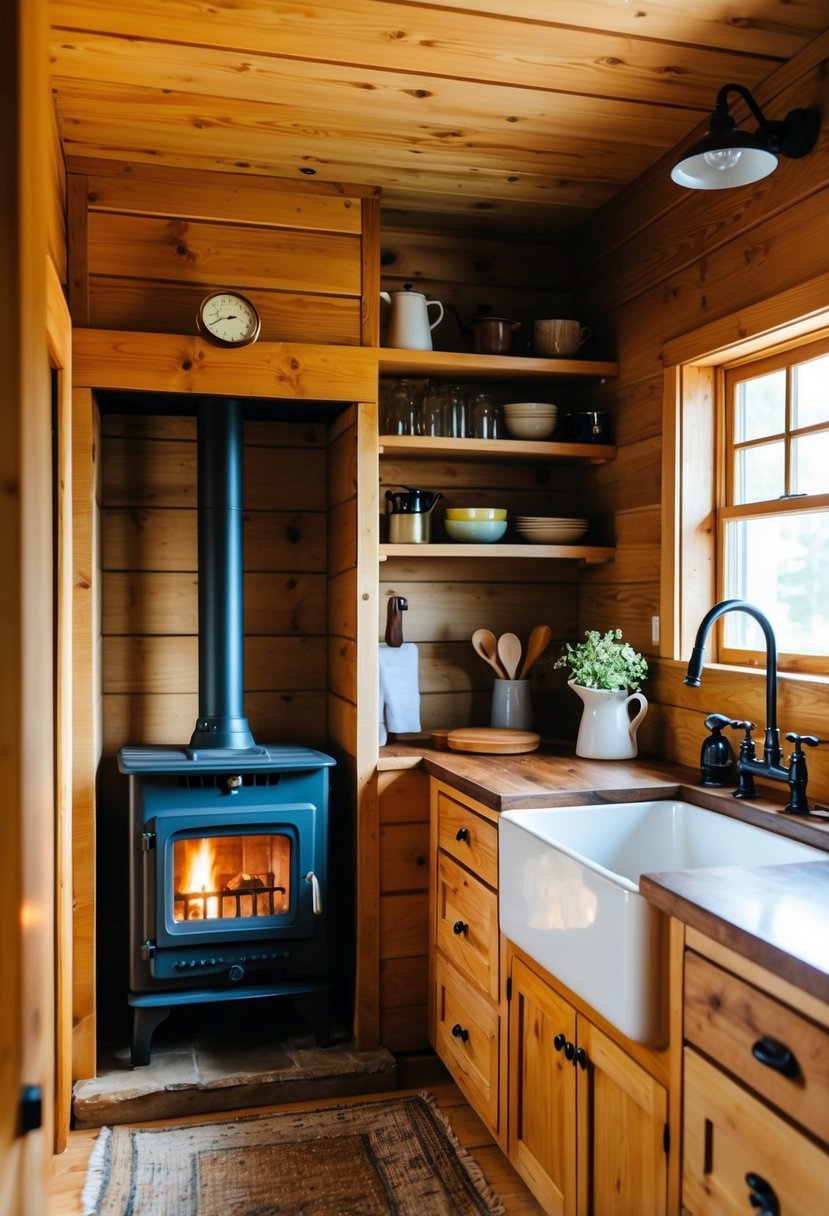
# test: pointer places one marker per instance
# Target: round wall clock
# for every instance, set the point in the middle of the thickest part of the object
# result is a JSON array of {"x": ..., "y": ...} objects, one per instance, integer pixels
[{"x": 228, "y": 319}]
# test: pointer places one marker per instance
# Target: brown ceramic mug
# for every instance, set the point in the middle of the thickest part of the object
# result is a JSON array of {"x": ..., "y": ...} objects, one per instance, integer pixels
[{"x": 558, "y": 338}]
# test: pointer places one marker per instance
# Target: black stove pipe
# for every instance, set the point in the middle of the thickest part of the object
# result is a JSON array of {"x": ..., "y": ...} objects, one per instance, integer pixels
[{"x": 221, "y": 722}]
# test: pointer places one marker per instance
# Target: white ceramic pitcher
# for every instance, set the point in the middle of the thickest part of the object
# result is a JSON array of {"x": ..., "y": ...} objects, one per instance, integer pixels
[
  {"x": 409, "y": 323},
  {"x": 606, "y": 731}
]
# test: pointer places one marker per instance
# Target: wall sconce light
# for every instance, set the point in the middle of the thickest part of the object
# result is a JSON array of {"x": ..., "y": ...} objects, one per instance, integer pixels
[{"x": 727, "y": 157}]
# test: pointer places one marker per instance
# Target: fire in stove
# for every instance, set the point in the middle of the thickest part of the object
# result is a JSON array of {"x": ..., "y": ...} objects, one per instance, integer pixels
[{"x": 231, "y": 876}]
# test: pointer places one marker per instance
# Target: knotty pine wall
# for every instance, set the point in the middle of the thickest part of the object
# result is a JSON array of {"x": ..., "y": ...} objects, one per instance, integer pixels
[{"x": 658, "y": 263}]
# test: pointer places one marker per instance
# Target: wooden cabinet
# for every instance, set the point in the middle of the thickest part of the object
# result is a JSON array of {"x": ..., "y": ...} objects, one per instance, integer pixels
[
  {"x": 468, "y": 1024},
  {"x": 587, "y": 1123},
  {"x": 756, "y": 1092}
]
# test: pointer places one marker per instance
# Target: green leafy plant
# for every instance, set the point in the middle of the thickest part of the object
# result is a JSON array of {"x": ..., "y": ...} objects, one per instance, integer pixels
[{"x": 604, "y": 661}]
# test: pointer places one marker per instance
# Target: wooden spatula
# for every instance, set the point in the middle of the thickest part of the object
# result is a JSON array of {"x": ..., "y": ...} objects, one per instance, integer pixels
[
  {"x": 538, "y": 642},
  {"x": 485, "y": 645}
]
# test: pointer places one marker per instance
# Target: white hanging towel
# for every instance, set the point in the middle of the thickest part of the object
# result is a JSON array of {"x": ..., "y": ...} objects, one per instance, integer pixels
[{"x": 399, "y": 690}]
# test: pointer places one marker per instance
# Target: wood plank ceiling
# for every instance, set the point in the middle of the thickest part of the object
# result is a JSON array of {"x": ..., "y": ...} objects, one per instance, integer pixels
[{"x": 512, "y": 116}]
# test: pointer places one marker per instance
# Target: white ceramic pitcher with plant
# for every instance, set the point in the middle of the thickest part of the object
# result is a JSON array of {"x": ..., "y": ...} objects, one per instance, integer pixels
[{"x": 606, "y": 673}]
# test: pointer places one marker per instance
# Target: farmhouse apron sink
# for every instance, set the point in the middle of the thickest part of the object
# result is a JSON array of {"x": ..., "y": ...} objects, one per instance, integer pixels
[{"x": 569, "y": 893}]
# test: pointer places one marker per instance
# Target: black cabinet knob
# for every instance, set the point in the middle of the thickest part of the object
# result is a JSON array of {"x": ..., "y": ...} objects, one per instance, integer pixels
[
  {"x": 776, "y": 1055},
  {"x": 462, "y": 834},
  {"x": 761, "y": 1195},
  {"x": 569, "y": 1051},
  {"x": 459, "y": 927},
  {"x": 559, "y": 1041},
  {"x": 459, "y": 1032},
  {"x": 580, "y": 1058}
]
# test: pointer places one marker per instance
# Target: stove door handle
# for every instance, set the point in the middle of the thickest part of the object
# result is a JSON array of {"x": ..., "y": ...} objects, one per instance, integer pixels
[{"x": 316, "y": 893}]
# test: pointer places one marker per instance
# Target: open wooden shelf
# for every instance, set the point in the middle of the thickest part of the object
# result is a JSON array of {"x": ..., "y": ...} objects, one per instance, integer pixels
[
  {"x": 398, "y": 362},
  {"x": 589, "y": 555},
  {"x": 511, "y": 449}
]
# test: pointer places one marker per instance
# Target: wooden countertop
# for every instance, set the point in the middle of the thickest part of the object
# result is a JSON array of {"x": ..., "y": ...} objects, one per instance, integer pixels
[{"x": 777, "y": 916}]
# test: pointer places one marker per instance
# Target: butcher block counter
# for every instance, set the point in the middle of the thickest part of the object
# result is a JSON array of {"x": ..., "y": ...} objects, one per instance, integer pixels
[{"x": 773, "y": 915}]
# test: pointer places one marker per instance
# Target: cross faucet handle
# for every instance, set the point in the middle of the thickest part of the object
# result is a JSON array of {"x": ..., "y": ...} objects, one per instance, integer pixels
[{"x": 797, "y": 740}]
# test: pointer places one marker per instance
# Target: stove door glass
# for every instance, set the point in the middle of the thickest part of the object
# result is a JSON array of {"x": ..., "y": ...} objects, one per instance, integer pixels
[{"x": 231, "y": 877}]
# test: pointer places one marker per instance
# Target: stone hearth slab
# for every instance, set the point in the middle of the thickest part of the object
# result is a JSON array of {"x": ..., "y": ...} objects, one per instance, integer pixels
[{"x": 213, "y": 1073}]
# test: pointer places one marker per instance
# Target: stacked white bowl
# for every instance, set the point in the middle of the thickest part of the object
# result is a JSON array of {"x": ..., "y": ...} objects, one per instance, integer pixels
[
  {"x": 530, "y": 419},
  {"x": 550, "y": 529}
]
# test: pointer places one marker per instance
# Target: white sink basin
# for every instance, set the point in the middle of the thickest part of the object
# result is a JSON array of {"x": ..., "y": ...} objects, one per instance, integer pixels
[{"x": 569, "y": 893}]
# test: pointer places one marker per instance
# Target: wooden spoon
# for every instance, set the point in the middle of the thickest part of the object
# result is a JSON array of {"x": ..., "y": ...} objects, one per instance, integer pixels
[
  {"x": 484, "y": 644},
  {"x": 538, "y": 642},
  {"x": 509, "y": 652}
]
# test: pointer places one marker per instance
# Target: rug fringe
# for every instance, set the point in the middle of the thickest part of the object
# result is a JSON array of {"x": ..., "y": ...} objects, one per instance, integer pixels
[
  {"x": 95, "y": 1173},
  {"x": 476, "y": 1174}
]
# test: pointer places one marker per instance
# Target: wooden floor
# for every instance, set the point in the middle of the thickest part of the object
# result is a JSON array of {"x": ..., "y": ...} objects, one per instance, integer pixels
[{"x": 70, "y": 1168}]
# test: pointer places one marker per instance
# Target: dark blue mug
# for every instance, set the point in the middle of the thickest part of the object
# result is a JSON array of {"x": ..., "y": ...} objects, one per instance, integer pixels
[{"x": 590, "y": 426}]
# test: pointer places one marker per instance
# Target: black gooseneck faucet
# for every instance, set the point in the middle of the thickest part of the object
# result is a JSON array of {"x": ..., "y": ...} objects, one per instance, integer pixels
[{"x": 771, "y": 766}]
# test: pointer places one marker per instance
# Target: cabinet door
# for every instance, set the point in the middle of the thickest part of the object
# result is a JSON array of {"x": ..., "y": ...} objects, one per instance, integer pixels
[
  {"x": 740, "y": 1157},
  {"x": 622, "y": 1114},
  {"x": 542, "y": 1092}
]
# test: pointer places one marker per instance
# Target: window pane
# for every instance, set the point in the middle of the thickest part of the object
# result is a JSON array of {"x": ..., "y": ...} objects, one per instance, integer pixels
[
  {"x": 759, "y": 473},
  {"x": 760, "y": 407},
  {"x": 810, "y": 463},
  {"x": 781, "y": 564},
  {"x": 811, "y": 392}
]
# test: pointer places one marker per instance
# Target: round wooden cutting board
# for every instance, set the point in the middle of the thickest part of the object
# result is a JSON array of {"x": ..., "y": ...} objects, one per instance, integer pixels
[{"x": 491, "y": 740}]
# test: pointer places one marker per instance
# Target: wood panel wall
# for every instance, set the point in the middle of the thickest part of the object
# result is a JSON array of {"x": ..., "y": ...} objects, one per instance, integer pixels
[
  {"x": 657, "y": 264},
  {"x": 515, "y": 279},
  {"x": 147, "y": 245}
]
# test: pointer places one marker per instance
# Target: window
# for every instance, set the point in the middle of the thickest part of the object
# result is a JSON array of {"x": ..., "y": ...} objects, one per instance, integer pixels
[{"x": 773, "y": 510}]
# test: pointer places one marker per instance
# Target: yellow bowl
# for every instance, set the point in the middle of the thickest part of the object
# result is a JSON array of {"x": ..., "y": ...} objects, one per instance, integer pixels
[{"x": 476, "y": 513}]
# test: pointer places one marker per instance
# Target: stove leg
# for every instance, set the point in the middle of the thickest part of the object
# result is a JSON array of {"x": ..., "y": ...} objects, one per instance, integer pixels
[
  {"x": 313, "y": 1006},
  {"x": 145, "y": 1019}
]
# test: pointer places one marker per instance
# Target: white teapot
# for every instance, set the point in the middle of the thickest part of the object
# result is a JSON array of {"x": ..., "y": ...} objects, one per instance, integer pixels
[{"x": 409, "y": 323}]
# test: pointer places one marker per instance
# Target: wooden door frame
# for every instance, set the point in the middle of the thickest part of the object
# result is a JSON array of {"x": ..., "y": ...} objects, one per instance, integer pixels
[{"x": 59, "y": 342}]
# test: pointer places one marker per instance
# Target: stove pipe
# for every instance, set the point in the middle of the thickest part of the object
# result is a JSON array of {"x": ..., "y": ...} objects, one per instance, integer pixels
[{"x": 221, "y": 722}]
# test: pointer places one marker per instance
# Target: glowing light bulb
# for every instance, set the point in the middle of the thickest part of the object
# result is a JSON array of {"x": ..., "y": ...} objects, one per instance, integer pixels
[{"x": 723, "y": 158}]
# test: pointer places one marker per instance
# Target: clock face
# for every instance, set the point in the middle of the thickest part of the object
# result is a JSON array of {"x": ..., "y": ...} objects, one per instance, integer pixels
[{"x": 228, "y": 319}]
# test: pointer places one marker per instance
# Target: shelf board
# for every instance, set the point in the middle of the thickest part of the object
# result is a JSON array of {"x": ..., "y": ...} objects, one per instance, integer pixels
[
  {"x": 513, "y": 449},
  {"x": 589, "y": 555},
  {"x": 398, "y": 362}
]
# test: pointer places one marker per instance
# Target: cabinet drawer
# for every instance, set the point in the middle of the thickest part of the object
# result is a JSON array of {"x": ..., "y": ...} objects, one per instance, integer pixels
[
  {"x": 468, "y": 837},
  {"x": 728, "y": 1019},
  {"x": 730, "y": 1134},
  {"x": 467, "y": 925},
  {"x": 472, "y": 1054}
]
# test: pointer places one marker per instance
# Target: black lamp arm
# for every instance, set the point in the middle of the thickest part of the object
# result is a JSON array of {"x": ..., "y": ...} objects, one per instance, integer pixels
[{"x": 722, "y": 103}]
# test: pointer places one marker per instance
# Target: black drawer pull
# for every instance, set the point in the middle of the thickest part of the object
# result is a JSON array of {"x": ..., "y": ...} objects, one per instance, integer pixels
[
  {"x": 761, "y": 1195},
  {"x": 580, "y": 1058},
  {"x": 462, "y": 834},
  {"x": 569, "y": 1051},
  {"x": 459, "y": 927},
  {"x": 459, "y": 1032},
  {"x": 775, "y": 1055},
  {"x": 559, "y": 1041}
]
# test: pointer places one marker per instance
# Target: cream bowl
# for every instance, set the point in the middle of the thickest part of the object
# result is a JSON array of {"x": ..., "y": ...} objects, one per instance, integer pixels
[
  {"x": 476, "y": 513},
  {"x": 529, "y": 407},
  {"x": 529, "y": 427},
  {"x": 475, "y": 531}
]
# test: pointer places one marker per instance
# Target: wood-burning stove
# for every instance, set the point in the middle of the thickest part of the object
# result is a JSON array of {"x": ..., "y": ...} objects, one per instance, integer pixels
[{"x": 228, "y": 839}]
